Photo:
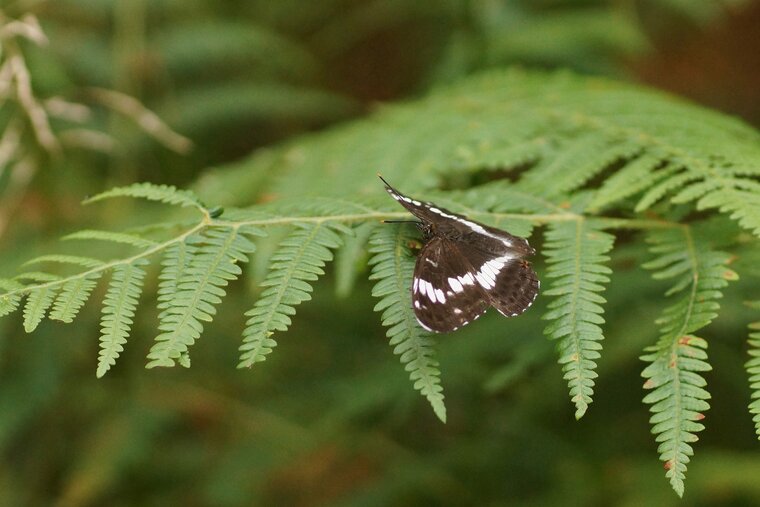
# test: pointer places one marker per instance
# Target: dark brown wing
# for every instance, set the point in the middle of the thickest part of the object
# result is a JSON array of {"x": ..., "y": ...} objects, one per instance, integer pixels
[
  {"x": 516, "y": 288},
  {"x": 508, "y": 280},
  {"x": 445, "y": 294}
]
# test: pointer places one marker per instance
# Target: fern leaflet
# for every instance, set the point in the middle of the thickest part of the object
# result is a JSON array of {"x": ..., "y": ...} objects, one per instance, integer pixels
[
  {"x": 75, "y": 260},
  {"x": 39, "y": 299},
  {"x": 576, "y": 252},
  {"x": 118, "y": 309},
  {"x": 392, "y": 267},
  {"x": 166, "y": 194},
  {"x": 753, "y": 369},
  {"x": 74, "y": 294},
  {"x": 213, "y": 266},
  {"x": 299, "y": 261},
  {"x": 9, "y": 302},
  {"x": 114, "y": 237},
  {"x": 678, "y": 399}
]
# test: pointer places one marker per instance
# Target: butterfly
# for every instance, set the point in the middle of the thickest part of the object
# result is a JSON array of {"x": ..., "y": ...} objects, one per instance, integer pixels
[{"x": 465, "y": 267}]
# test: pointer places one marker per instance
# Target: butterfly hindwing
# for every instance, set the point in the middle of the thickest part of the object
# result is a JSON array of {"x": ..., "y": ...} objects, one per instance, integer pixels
[
  {"x": 516, "y": 288},
  {"x": 445, "y": 294},
  {"x": 507, "y": 279}
]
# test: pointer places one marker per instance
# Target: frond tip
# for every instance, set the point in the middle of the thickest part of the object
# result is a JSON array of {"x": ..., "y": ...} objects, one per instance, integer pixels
[
  {"x": 392, "y": 267},
  {"x": 576, "y": 252},
  {"x": 678, "y": 399}
]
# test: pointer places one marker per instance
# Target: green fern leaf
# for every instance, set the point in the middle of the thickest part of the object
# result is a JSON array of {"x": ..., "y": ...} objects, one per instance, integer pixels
[
  {"x": 9, "y": 301},
  {"x": 577, "y": 256},
  {"x": 753, "y": 369},
  {"x": 118, "y": 310},
  {"x": 176, "y": 260},
  {"x": 298, "y": 262},
  {"x": 74, "y": 294},
  {"x": 166, "y": 194},
  {"x": 631, "y": 179},
  {"x": 392, "y": 267},
  {"x": 213, "y": 265},
  {"x": 678, "y": 399},
  {"x": 75, "y": 260},
  {"x": 743, "y": 206},
  {"x": 114, "y": 237},
  {"x": 39, "y": 299}
]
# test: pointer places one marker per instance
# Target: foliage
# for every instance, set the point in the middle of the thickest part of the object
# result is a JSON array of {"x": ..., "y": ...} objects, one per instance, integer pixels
[
  {"x": 581, "y": 126},
  {"x": 576, "y": 164}
]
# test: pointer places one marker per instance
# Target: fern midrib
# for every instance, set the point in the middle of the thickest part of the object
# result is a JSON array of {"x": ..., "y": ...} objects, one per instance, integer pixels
[
  {"x": 681, "y": 331},
  {"x": 576, "y": 290},
  {"x": 608, "y": 222},
  {"x": 289, "y": 275},
  {"x": 171, "y": 341},
  {"x": 112, "y": 264}
]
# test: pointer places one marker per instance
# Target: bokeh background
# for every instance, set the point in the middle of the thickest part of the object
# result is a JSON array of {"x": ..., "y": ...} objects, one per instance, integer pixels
[{"x": 331, "y": 418}]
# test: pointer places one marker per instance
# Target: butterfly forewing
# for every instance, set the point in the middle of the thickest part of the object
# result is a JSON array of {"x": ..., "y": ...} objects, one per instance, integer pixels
[{"x": 445, "y": 294}]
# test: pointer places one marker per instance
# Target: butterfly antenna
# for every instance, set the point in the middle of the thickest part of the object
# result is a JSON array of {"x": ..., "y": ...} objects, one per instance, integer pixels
[
  {"x": 401, "y": 222},
  {"x": 383, "y": 180}
]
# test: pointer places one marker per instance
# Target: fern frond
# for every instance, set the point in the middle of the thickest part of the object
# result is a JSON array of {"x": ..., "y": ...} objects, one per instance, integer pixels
[
  {"x": 392, "y": 266},
  {"x": 9, "y": 302},
  {"x": 166, "y": 194},
  {"x": 753, "y": 369},
  {"x": 298, "y": 262},
  {"x": 576, "y": 252},
  {"x": 76, "y": 260},
  {"x": 678, "y": 399},
  {"x": 74, "y": 293},
  {"x": 118, "y": 309},
  {"x": 634, "y": 177},
  {"x": 39, "y": 299},
  {"x": 213, "y": 265},
  {"x": 113, "y": 237},
  {"x": 588, "y": 155},
  {"x": 743, "y": 205}
]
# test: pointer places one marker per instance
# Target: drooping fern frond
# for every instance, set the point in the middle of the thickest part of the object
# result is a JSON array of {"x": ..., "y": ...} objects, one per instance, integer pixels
[
  {"x": 576, "y": 252},
  {"x": 118, "y": 310},
  {"x": 753, "y": 369},
  {"x": 166, "y": 194},
  {"x": 298, "y": 262},
  {"x": 678, "y": 399},
  {"x": 392, "y": 267},
  {"x": 213, "y": 265}
]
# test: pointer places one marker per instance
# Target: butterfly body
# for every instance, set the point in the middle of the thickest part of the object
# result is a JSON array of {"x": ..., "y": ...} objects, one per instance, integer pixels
[{"x": 464, "y": 267}]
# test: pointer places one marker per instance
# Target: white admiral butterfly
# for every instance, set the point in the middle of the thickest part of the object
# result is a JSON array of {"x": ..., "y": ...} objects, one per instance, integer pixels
[{"x": 464, "y": 267}]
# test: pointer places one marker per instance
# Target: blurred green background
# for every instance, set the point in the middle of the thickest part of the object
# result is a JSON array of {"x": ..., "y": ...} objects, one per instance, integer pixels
[{"x": 330, "y": 418}]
